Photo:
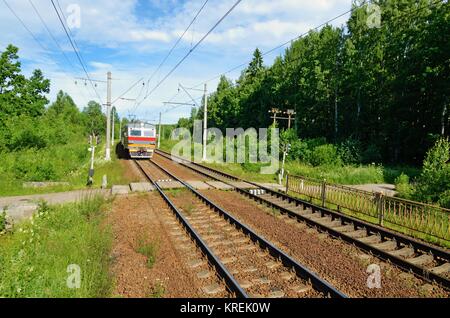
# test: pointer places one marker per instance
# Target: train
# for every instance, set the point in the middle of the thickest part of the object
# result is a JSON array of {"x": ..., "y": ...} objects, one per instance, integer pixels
[{"x": 139, "y": 140}]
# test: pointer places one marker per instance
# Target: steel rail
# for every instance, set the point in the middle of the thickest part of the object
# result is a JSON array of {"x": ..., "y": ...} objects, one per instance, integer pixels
[
  {"x": 303, "y": 272},
  {"x": 371, "y": 229},
  {"x": 220, "y": 268}
]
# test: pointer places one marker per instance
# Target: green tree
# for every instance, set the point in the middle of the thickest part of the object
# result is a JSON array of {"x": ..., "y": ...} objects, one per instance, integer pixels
[{"x": 94, "y": 119}]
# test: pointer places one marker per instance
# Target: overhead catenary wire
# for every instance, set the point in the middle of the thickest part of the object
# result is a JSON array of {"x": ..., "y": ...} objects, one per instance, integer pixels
[
  {"x": 175, "y": 45},
  {"x": 36, "y": 39},
  {"x": 51, "y": 34},
  {"x": 128, "y": 90},
  {"x": 24, "y": 25},
  {"x": 191, "y": 50},
  {"x": 167, "y": 56},
  {"x": 78, "y": 54},
  {"x": 280, "y": 45},
  {"x": 57, "y": 44},
  {"x": 303, "y": 35}
]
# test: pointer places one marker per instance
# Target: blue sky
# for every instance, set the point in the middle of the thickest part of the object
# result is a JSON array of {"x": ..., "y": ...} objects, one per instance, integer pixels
[{"x": 131, "y": 37}]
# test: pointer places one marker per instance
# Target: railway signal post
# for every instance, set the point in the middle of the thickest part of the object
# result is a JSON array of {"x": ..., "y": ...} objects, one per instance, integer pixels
[{"x": 93, "y": 141}]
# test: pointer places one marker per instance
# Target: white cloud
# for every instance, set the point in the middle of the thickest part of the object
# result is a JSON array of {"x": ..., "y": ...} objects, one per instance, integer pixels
[
  {"x": 143, "y": 35},
  {"x": 113, "y": 36}
]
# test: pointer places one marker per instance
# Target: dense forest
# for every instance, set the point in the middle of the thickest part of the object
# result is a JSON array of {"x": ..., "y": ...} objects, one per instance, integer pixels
[
  {"x": 381, "y": 91},
  {"x": 40, "y": 141}
]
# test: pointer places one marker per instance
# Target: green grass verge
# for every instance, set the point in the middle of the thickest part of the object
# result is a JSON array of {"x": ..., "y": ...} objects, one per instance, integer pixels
[
  {"x": 349, "y": 175},
  {"x": 75, "y": 173},
  {"x": 35, "y": 258}
]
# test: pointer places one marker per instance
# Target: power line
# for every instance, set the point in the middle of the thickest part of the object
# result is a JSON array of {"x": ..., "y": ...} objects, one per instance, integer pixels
[
  {"x": 36, "y": 40},
  {"x": 306, "y": 33},
  {"x": 24, "y": 25},
  {"x": 57, "y": 44},
  {"x": 175, "y": 45},
  {"x": 191, "y": 50},
  {"x": 167, "y": 56},
  {"x": 281, "y": 45},
  {"x": 70, "y": 31},
  {"x": 76, "y": 51},
  {"x": 128, "y": 90},
  {"x": 51, "y": 34}
]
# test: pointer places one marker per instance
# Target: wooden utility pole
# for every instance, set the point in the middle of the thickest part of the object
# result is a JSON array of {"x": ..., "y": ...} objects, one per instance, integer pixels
[
  {"x": 290, "y": 113},
  {"x": 275, "y": 112}
]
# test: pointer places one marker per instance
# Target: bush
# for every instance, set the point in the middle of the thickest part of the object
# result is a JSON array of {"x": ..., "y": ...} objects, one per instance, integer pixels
[
  {"x": 325, "y": 155},
  {"x": 299, "y": 151},
  {"x": 444, "y": 199},
  {"x": 434, "y": 182},
  {"x": 402, "y": 185},
  {"x": 350, "y": 152}
]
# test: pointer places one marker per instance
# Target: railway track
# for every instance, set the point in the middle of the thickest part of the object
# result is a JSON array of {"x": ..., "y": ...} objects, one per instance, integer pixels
[
  {"x": 428, "y": 262},
  {"x": 250, "y": 265}
]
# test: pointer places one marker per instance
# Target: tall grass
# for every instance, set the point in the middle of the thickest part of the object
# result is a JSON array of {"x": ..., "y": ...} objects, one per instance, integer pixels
[
  {"x": 335, "y": 173},
  {"x": 34, "y": 259},
  {"x": 68, "y": 163},
  {"x": 339, "y": 174}
]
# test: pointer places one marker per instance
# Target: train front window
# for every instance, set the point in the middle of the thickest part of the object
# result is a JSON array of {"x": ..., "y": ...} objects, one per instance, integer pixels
[
  {"x": 135, "y": 133},
  {"x": 149, "y": 133}
]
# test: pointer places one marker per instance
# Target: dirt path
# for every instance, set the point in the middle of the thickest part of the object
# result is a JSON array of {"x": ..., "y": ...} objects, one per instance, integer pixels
[
  {"x": 339, "y": 263},
  {"x": 144, "y": 218},
  {"x": 387, "y": 189}
]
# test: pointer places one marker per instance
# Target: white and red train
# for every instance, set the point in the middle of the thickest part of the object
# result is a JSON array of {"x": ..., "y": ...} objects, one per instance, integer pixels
[{"x": 139, "y": 140}]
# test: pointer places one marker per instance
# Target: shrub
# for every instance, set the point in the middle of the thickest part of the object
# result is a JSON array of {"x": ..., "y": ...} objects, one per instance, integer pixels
[
  {"x": 404, "y": 188},
  {"x": 434, "y": 182},
  {"x": 444, "y": 199},
  {"x": 350, "y": 151},
  {"x": 324, "y": 155},
  {"x": 316, "y": 142}
]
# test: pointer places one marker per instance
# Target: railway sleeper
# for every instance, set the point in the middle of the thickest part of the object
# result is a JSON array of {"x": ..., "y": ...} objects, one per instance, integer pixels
[
  {"x": 345, "y": 228},
  {"x": 441, "y": 269},
  {"x": 405, "y": 252},
  {"x": 386, "y": 246},
  {"x": 390, "y": 246},
  {"x": 357, "y": 234},
  {"x": 371, "y": 239},
  {"x": 421, "y": 260}
]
